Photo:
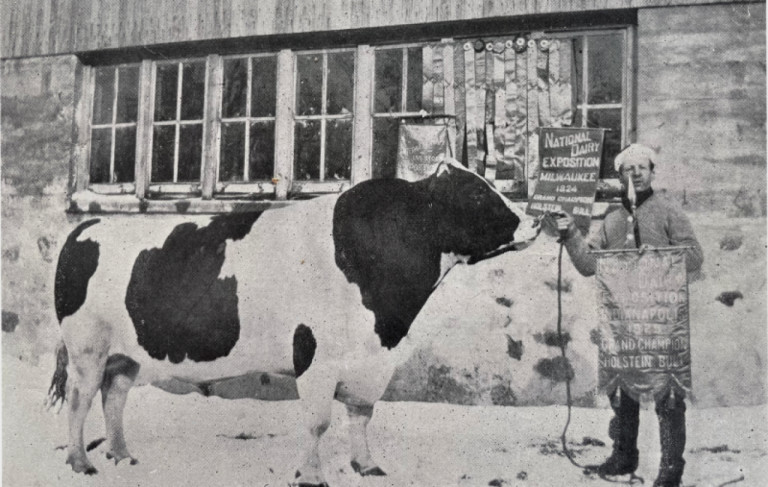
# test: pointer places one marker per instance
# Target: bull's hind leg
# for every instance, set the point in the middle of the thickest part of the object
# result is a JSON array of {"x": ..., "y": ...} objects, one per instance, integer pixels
[
  {"x": 86, "y": 372},
  {"x": 362, "y": 463},
  {"x": 119, "y": 375}
]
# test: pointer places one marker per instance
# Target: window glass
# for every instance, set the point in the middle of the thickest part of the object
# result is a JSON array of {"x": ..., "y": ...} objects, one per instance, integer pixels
[
  {"x": 232, "y": 151},
  {"x": 127, "y": 94},
  {"x": 389, "y": 80},
  {"x": 101, "y": 146},
  {"x": 384, "y": 147},
  {"x": 193, "y": 91},
  {"x": 165, "y": 91},
  {"x": 609, "y": 118},
  {"x": 125, "y": 154},
  {"x": 413, "y": 100},
  {"x": 306, "y": 154},
  {"x": 253, "y": 139},
  {"x": 164, "y": 137},
  {"x": 605, "y": 62},
  {"x": 262, "y": 154},
  {"x": 190, "y": 152},
  {"x": 310, "y": 84},
  {"x": 341, "y": 79},
  {"x": 104, "y": 95},
  {"x": 264, "y": 86},
  {"x": 233, "y": 98},
  {"x": 601, "y": 101},
  {"x": 578, "y": 68},
  {"x": 338, "y": 152}
]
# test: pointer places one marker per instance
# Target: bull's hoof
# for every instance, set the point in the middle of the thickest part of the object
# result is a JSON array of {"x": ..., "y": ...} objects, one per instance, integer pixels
[
  {"x": 82, "y": 466},
  {"x": 120, "y": 458},
  {"x": 306, "y": 484},
  {"x": 373, "y": 471}
]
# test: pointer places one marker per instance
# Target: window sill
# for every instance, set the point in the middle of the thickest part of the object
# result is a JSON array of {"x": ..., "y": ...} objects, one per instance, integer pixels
[{"x": 95, "y": 203}]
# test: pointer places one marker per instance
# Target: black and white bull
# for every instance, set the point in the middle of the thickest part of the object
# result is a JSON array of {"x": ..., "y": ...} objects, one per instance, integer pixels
[{"x": 324, "y": 289}]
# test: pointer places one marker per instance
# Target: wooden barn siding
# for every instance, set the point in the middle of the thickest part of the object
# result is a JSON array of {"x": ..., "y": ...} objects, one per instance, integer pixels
[
  {"x": 46, "y": 27},
  {"x": 701, "y": 96}
]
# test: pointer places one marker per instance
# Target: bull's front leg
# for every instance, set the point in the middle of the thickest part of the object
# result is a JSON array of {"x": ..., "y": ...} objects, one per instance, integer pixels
[
  {"x": 316, "y": 389},
  {"x": 362, "y": 463}
]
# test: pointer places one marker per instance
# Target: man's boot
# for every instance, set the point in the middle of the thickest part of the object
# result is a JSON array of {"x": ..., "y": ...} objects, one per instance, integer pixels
[
  {"x": 623, "y": 431},
  {"x": 671, "y": 412}
]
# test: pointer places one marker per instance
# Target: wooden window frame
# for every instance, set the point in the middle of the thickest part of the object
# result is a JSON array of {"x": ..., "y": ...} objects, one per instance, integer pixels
[
  {"x": 322, "y": 185},
  {"x": 111, "y": 187},
  {"x": 246, "y": 186},
  {"x": 608, "y": 188},
  {"x": 191, "y": 188}
]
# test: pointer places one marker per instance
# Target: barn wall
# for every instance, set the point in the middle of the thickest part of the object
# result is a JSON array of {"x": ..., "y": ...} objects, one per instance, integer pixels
[
  {"x": 701, "y": 102},
  {"x": 43, "y": 27}
]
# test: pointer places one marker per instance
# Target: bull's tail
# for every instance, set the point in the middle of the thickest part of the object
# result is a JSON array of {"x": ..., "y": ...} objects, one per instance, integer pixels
[{"x": 58, "y": 390}]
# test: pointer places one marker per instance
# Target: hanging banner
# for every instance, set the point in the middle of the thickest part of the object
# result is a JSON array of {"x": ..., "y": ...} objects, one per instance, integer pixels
[
  {"x": 420, "y": 148},
  {"x": 644, "y": 338},
  {"x": 568, "y": 173}
]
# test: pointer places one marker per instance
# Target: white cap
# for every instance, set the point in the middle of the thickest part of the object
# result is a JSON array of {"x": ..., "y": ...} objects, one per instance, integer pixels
[{"x": 634, "y": 153}]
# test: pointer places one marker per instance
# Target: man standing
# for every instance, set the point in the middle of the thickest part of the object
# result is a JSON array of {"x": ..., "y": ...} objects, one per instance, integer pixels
[{"x": 652, "y": 220}]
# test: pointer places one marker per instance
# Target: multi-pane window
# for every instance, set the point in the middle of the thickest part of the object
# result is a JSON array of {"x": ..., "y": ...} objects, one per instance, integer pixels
[
  {"x": 397, "y": 94},
  {"x": 113, "y": 124},
  {"x": 599, "y": 88},
  {"x": 248, "y": 119},
  {"x": 178, "y": 122},
  {"x": 324, "y": 115},
  {"x": 222, "y": 125}
]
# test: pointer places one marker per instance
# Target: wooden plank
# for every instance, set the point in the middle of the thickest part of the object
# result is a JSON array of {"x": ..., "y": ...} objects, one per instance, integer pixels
[
  {"x": 362, "y": 137},
  {"x": 284, "y": 124},
  {"x": 81, "y": 25},
  {"x": 214, "y": 80},
  {"x": 265, "y": 17},
  {"x": 144, "y": 129}
]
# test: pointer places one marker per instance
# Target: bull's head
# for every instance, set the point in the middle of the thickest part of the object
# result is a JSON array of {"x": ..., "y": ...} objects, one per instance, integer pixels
[{"x": 475, "y": 219}]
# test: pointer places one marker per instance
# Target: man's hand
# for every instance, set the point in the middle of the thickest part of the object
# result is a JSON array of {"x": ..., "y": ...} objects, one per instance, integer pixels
[
  {"x": 644, "y": 248},
  {"x": 558, "y": 225}
]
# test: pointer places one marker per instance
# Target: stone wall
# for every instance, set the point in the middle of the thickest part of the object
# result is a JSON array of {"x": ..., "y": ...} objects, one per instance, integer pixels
[
  {"x": 37, "y": 123},
  {"x": 701, "y": 103}
]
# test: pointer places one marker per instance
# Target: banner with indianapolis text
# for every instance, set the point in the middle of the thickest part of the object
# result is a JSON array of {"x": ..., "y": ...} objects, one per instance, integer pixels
[{"x": 644, "y": 334}]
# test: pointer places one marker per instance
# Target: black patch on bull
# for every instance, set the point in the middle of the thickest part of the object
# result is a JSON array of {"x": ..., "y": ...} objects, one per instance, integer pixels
[
  {"x": 179, "y": 306},
  {"x": 304, "y": 346},
  {"x": 77, "y": 263},
  {"x": 389, "y": 235}
]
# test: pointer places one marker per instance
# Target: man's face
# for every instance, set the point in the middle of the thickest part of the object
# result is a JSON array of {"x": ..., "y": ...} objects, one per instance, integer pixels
[{"x": 639, "y": 172}]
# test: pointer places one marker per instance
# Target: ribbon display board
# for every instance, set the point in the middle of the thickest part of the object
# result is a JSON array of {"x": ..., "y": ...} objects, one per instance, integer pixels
[
  {"x": 644, "y": 337},
  {"x": 568, "y": 174}
]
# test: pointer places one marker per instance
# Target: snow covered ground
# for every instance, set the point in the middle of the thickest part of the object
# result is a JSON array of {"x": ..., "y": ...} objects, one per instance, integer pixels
[{"x": 192, "y": 440}]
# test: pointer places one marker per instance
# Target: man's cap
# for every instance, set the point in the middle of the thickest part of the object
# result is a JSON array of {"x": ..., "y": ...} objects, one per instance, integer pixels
[{"x": 634, "y": 153}]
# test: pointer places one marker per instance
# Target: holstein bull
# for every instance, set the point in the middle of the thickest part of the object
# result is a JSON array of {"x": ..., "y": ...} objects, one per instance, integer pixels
[{"x": 326, "y": 289}]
